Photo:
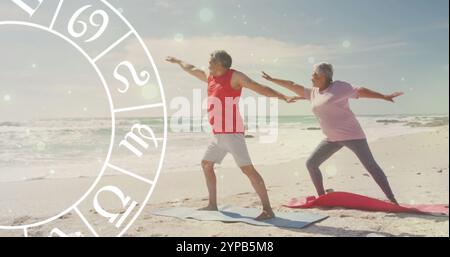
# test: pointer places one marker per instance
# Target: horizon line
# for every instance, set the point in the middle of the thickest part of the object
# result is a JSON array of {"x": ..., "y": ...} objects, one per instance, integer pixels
[{"x": 305, "y": 115}]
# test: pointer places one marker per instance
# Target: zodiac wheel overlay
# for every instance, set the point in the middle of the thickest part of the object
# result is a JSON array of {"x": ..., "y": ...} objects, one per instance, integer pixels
[{"x": 87, "y": 26}]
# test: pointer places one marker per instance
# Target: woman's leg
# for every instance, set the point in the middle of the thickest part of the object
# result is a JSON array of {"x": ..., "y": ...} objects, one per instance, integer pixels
[
  {"x": 362, "y": 150},
  {"x": 322, "y": 153}
]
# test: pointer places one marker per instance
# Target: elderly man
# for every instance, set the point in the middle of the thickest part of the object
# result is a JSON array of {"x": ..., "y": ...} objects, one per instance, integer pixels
[
  {"x": 224, "y": 90},
  {"x": 330, "y": 104}
]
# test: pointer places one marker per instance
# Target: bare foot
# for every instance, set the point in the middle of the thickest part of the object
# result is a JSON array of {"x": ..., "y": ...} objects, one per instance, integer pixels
[
  {"x": 209, "y": 208},
  {"x": 265, "y": 215}
]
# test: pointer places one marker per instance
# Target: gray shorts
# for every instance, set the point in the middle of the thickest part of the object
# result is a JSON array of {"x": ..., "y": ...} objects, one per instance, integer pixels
[{"x": 222, "y": 144}]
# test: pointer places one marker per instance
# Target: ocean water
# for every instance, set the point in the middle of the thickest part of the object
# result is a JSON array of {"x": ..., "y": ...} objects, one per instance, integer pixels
[{"x": 67, "y": 148}]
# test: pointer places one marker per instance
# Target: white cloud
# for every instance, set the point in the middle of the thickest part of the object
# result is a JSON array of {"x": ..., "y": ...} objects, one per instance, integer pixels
[
  {"x": 251, "y": 53},
  {"x": 247, "y": 51},
  {"x": 381, "y": 46}
]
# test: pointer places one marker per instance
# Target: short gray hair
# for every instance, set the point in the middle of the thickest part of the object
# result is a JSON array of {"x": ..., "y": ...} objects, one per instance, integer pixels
[
  {"x": 325, "y": 69},
  {"x": 223, "y": 58}
]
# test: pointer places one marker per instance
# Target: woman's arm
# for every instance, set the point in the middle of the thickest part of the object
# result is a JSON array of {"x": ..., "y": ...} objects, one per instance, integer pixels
[
  {"x": 367, "y": 93},
  {"x": 297, "y": 89}
]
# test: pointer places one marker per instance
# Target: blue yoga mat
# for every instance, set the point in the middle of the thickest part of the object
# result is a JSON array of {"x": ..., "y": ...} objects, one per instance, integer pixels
[{"x": 230, "y": 214}]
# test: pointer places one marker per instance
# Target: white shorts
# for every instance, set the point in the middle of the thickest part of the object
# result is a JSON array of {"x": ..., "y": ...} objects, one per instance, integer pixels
[{"x": 222, "y": 144}]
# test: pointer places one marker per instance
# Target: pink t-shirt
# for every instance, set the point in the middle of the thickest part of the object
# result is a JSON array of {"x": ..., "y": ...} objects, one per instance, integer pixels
[{"x": 331, "y": 107}]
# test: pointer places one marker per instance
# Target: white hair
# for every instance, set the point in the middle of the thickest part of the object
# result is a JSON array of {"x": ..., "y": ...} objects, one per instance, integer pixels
[
  {"x": 223, "y": 58},
  {"x": 325, "y": 69}
]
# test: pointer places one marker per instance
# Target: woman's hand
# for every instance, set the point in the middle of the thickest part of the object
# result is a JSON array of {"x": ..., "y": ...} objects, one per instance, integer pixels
[
  {"x": 367, "y": 93},
  {"x": 391, "y": 97}
]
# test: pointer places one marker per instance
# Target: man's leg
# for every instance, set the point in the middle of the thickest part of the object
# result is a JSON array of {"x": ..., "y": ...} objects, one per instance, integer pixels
[
  {"x": 210, "y": 176},
  {"x": 214, "y": 154},
  {"x": 237, "y": 146},
  {"x": 322, "y": 153},
  {"x": 260, "y": 188},
  {"x": 362, "y": 150}
]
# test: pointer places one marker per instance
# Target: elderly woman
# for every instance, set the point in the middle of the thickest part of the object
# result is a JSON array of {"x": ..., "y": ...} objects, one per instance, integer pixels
[{"x": 330, "y": 104}]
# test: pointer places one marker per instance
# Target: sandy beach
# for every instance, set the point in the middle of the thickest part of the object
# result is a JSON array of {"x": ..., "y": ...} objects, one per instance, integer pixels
[{"x": 417, "y": 166}]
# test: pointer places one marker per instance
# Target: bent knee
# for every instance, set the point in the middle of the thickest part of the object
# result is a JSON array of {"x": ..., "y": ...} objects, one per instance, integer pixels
[
  {"x": 312, "y": 164},
  {"x": 207, "y": 165}
]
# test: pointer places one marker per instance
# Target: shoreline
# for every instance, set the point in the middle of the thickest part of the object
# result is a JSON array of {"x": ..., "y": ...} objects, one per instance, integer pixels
[{"x": 413, "y": 129}]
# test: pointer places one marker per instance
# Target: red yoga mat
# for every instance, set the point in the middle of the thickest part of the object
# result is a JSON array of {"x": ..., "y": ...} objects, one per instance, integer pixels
[{"x": 364, "y": 203}]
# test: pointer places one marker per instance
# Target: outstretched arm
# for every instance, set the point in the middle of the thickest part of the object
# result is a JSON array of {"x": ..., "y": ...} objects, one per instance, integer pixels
[
  {"x": 367, "y": 93},
  {"x": 189, "y": 68},
  {"x": 245, "y": 82},
  {"x": 297, "y": 89}
]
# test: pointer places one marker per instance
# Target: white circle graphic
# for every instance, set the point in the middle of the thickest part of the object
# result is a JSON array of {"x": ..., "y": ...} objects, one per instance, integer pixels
[{"x": 113, "y": 112}]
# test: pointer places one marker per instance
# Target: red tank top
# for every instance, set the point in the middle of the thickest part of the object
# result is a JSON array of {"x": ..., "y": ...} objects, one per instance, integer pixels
[{"x": 223, "y": 105}]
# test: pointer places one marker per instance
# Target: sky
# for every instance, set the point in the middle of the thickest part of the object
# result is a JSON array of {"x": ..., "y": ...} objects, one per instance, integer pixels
[{"x": 385, "y": 45}]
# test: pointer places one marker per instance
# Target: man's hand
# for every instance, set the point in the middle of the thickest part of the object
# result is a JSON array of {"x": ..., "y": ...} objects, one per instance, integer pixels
[
  {"x": 391, "y": 97},
  {"x": 173, "y": 60},
  {"x": 243, "y": 81},
  {"x": 294, "y": 99},
  {"x": 189, "y": 68},
  {"x": 266, "y": 76}
]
